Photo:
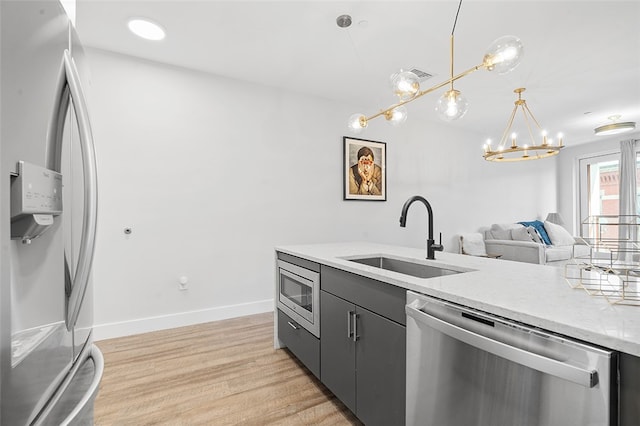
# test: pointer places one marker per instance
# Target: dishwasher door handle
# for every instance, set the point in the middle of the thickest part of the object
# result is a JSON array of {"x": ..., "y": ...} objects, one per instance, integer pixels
[{"x": 572, "y": 373}]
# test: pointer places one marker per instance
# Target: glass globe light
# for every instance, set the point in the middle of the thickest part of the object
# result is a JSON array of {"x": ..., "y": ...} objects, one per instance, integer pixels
[
  {"x": 405, "y": 85},
  {"x": 504, "y": 54},
  {"x": 357, "y": 123},
  {"x": 452, "y": 106},
  {"x": 397, "y": 116}
]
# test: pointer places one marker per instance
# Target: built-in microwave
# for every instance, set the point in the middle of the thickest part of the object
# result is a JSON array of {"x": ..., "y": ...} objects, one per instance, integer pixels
[{"x": 299, "y": 295}]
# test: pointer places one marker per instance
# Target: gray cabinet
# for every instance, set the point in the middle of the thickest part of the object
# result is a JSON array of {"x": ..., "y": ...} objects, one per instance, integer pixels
[
  {"x": 362, "y": 353},
  {"x": 380, "y": 370}
]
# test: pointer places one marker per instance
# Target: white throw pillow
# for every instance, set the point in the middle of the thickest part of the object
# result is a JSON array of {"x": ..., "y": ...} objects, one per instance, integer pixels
[
  {"x": 533, "y": 232},
  {"x": 521, "y": 234},
  {"x": 504, "y": 234},
  {"x": 502, "y": 231},
  {"x": 526, "y": 234},
  {"x": 473, "y": 244},
  {"x": 505, "y": 226},
  {"x": 558, "y": 235}
]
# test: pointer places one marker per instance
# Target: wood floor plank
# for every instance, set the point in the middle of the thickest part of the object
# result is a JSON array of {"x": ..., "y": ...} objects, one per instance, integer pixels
[{"x": 218, "y": 373}]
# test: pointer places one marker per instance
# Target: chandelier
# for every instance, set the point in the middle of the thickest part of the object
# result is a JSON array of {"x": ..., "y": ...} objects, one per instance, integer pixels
[
  {"x": 502, "y": 56},
  {"x": 515, "y": 152}
]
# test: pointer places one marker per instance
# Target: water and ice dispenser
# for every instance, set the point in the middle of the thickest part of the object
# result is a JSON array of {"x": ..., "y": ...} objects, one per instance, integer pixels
[{"x": 36, "y": 198}]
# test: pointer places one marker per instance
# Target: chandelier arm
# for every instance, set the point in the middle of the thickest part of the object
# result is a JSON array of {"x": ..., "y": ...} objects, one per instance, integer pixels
[
  {"x": 533, "y": 117},
  {"x": 527, "y": 121},
  {"x": 424, "y": 92},
  {"x": 452, "y": 79},
  {"x": 503, "y": 139}
]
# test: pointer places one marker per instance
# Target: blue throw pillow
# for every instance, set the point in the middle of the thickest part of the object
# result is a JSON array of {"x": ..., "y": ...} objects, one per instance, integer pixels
[{"x": 539, "y": 226}]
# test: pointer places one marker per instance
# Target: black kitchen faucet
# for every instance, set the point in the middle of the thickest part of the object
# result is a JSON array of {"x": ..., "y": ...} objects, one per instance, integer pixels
[{"x": 431, "y": 246}]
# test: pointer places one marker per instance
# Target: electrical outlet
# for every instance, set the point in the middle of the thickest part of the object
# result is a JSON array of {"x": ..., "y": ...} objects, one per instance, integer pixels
[{"x": 183, "y": 281}]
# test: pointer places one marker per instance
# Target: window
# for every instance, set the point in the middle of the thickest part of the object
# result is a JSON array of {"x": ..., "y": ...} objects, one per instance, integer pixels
[{"x": 599, "y": 190}]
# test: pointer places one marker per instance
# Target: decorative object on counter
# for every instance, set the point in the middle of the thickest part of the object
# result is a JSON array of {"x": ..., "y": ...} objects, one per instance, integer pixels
[
  {"x": 502, "y": 56},
  {"x": 364, "y": 165},
  {"x": 612, "y": 267},
  {"x": 431, "y": 246},
  {"x": 555, "y": 218},
  {"x": 615, "y": 126},
  {"x": 516, "y": 152}
]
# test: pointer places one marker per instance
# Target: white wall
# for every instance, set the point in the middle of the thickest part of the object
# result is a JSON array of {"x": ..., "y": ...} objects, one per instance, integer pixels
[{"x": 212, "y": 173}]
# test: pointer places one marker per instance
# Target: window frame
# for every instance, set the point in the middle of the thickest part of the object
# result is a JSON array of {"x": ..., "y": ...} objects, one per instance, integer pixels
[{"x": 582, "y": 193}]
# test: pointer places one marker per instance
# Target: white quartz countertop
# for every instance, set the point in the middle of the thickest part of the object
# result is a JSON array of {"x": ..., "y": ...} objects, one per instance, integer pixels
[{"x": 533, "y": 294}]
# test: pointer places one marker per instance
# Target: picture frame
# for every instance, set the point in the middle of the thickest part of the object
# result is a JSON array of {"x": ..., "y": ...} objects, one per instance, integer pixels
[{"x": 364, "y": 169}]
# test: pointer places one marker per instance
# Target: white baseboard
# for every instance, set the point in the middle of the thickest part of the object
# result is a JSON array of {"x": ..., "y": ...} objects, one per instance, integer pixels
[{"x": 145, "y": 325}]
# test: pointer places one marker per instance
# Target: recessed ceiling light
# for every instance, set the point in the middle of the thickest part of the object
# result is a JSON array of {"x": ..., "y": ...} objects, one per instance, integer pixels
[{"x": 146, "y": 29}]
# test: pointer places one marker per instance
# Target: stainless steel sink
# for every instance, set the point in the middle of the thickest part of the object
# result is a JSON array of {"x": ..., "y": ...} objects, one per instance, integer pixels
[{"x": 404, "y": 267}]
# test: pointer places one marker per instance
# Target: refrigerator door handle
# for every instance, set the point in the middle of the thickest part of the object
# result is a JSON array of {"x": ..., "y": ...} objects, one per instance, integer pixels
[{"x": 69, "y": 89}]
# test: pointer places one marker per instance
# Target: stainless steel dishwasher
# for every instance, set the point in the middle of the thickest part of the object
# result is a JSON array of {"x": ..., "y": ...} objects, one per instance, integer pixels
[{"x": 466, "y": 368}]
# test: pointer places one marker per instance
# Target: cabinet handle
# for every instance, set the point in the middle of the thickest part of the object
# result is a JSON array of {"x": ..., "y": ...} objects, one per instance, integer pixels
[
  {"x": 292, "y": 325},
  {"x": 355, "y": 327},
  {"x": 349, "y": 332}
]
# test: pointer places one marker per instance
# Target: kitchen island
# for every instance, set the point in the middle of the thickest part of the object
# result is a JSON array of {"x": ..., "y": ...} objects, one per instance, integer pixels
[{"x": 534, "y": 295}]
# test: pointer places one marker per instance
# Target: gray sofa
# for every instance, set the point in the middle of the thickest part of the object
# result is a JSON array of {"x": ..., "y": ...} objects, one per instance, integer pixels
[{"x": 521, "y": 243}]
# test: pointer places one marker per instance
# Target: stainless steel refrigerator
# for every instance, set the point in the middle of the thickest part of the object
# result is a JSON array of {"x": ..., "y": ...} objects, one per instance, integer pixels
[{"x": 50, "y": 367}]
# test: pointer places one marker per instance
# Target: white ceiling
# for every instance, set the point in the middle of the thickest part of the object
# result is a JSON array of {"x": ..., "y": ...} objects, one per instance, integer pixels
[{"x": 581, "y": 62}]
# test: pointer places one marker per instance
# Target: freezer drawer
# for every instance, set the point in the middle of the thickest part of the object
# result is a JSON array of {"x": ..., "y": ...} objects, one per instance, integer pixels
[
  {"x": 468, "y": 368},
  {"x": 73, "y": 403}
]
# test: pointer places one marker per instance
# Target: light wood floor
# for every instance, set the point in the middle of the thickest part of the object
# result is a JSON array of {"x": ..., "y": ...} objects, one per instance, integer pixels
[{"x": 219, "y": 373}]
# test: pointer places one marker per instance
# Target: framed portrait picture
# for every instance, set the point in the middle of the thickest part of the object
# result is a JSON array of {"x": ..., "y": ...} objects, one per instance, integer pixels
[{"x": 365, "y": 176}]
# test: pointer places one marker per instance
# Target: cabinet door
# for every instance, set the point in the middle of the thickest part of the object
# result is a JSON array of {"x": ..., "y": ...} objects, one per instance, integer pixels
[
  {"x": 381, "y": 367},
  {"x": 337, "y": 348}
]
